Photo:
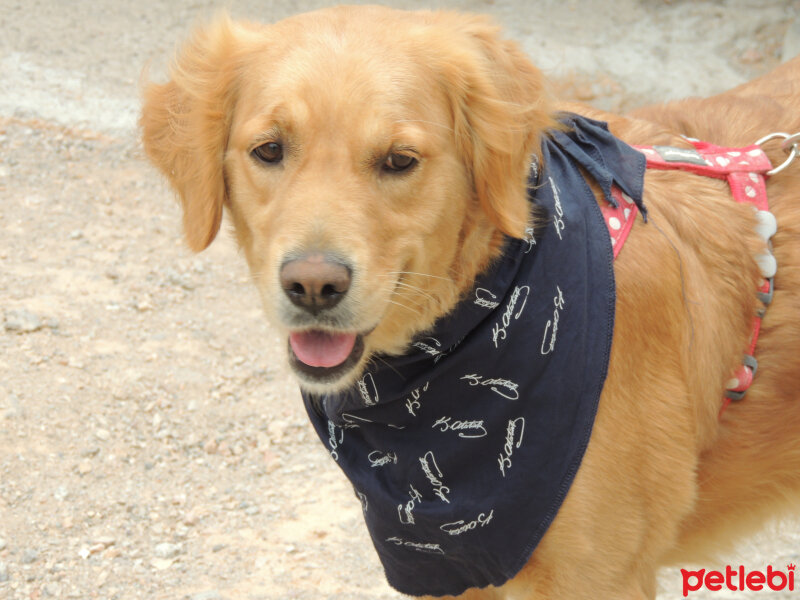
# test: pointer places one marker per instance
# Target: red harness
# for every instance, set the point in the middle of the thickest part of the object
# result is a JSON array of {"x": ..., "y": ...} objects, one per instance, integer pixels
[{"x": 745, "y": 169}]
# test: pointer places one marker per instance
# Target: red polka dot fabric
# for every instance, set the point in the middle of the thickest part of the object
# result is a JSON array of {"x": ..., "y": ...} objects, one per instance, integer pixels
[{"x": 745, "y": 169}]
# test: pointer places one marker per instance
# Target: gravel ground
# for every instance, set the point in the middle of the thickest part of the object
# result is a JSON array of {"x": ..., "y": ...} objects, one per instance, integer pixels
[{"x": 152, "y": 444}]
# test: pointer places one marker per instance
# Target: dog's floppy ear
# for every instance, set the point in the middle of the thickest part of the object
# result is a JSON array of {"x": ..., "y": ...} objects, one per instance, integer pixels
[
  {"x": 500, "y": 109},
  {"x": 185, "y": 124}
]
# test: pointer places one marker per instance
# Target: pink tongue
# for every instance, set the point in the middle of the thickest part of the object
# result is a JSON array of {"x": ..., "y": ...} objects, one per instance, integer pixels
[{"x": 320, "y": 348}]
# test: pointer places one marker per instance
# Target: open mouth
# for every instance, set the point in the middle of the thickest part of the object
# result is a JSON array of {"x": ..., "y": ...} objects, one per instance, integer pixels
[{"x": 324, "y": 355}]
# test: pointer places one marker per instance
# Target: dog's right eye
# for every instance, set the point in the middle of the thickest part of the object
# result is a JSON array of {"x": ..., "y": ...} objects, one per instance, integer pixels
[
  {"x": 398, "y": 163},
  {"x": 271, "y": 152}
]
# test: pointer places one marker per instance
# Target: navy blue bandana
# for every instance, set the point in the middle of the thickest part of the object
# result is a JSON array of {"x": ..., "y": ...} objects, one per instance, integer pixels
[{"x": 462, "y": 450}]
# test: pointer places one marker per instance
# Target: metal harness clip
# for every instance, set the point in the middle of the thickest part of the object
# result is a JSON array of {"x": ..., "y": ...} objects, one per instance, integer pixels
[{"x": 790, "y": 144}]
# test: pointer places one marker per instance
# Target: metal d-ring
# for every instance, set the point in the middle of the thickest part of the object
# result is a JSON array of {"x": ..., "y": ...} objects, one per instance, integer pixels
[
  {"x": 792, "y": 140},
  {"x": 790, "y": 144}
]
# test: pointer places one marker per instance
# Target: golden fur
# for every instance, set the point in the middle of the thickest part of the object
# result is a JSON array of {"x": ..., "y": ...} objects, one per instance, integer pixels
[{"x": 663, "y": 478}]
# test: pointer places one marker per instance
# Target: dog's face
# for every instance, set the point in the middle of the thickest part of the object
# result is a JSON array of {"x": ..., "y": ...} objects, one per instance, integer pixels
[{"x": 370, "y": 160}]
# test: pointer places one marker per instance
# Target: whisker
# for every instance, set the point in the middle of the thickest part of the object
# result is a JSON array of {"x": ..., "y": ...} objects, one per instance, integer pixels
[
  {"x": 415, "y": 301},
  {"x": 416, "y": 289},
  {"x": 408, "y": 292},
  {"x": 420, "y": 274},
  {"x": 404, "y": 306},
  {"x": 376, "y": 357}
]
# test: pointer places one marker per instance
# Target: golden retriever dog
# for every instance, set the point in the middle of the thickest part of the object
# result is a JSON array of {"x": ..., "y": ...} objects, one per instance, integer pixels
[{"x": 374, "y": 163}]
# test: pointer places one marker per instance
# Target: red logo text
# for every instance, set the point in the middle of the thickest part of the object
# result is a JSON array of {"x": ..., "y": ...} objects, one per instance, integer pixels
[{"x": 738, "y": 579}]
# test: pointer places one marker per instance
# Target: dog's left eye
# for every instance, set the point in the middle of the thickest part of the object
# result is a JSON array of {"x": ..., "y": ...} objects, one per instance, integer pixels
[
  {"x": 271, "y": 152},
  {"x": 397, "y": 163}
]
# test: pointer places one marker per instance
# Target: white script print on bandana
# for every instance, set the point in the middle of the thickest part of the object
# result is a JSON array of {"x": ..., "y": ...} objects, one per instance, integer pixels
[{"x": 462, "y": 450}]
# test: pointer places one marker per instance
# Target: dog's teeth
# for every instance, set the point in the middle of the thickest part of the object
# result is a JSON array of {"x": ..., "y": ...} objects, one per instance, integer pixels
[
  {"x": 767, "y": 225},
  {"x": 767, "y": 265}
]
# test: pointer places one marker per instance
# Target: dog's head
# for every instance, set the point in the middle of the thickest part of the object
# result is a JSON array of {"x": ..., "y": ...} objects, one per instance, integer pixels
[{"x": 371, "y": 161}]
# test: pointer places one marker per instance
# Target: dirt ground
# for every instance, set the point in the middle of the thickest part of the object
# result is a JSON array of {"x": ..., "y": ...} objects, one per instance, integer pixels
[{"x": 152, "y": 443}]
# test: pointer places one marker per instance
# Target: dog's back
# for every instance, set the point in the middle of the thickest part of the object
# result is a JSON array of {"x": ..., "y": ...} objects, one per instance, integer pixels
[{"x": 754, "y": 463}]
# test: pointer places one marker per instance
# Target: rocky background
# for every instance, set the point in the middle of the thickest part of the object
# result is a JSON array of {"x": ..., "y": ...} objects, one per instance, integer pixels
[{"x": 152, "y": 445}]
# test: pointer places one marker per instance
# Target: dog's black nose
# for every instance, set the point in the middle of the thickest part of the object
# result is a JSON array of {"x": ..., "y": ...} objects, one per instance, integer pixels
[{"x": 315, "y": 282}]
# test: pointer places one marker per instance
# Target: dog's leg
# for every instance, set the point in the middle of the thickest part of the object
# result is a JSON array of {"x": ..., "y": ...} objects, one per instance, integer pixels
[
  {"x": 490, "y": 593},
  {"x": 574, "y": 581},
  {"x": 531, "y": 584}
]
